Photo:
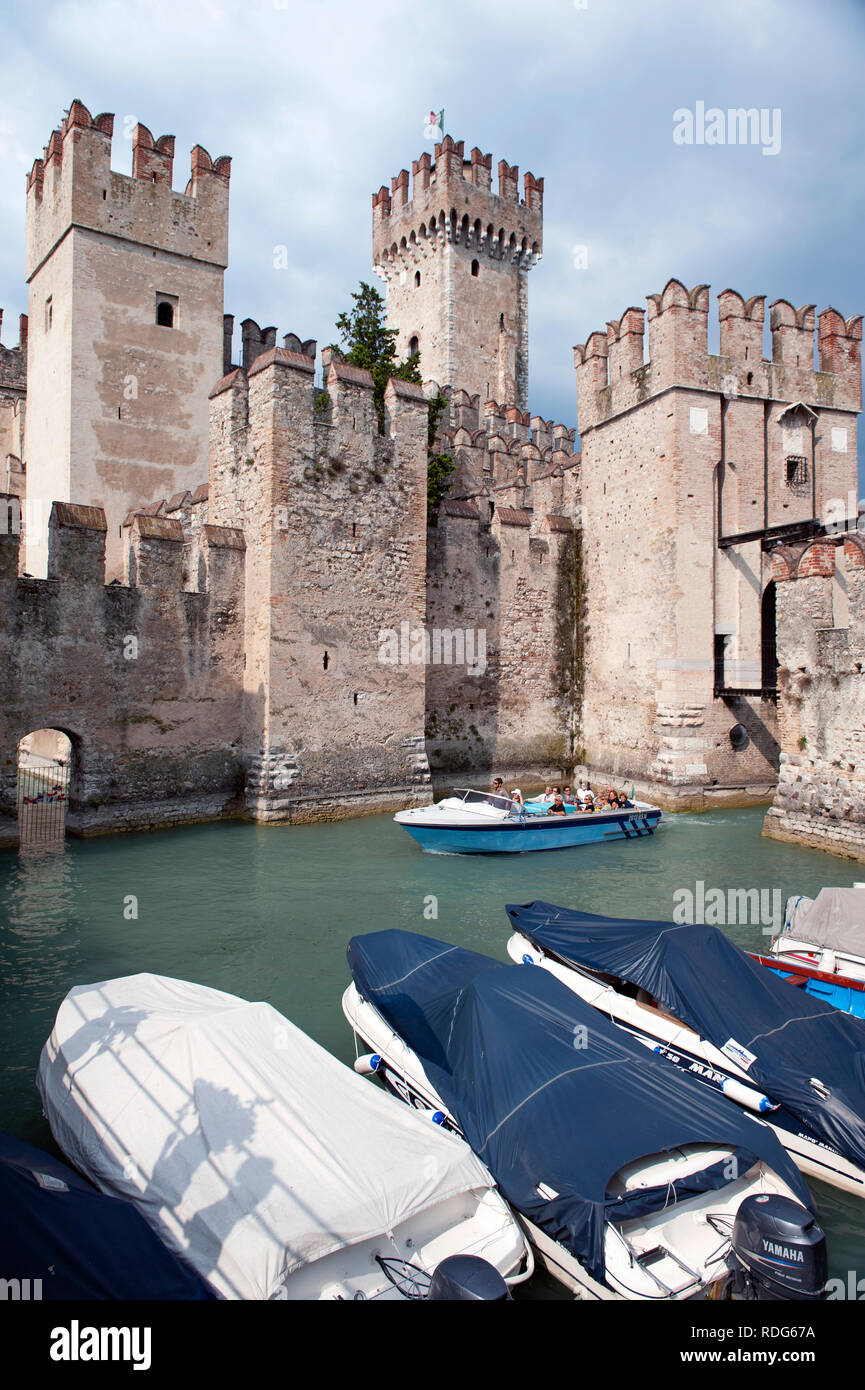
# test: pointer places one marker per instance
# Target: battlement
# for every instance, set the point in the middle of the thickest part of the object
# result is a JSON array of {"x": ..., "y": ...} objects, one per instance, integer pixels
[
  {"x": 13, "y": 361},
  {"x": 450, "y": 200},
  {"x": 156, "y": 544},
  {"x": 613, "y": 375},
  {"x": 255, "y": 341},
  {"x": 73, "y": 185}
]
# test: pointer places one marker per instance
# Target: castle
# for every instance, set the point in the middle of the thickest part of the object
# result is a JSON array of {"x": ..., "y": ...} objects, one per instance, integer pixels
[{"x": 245, "y": 607}]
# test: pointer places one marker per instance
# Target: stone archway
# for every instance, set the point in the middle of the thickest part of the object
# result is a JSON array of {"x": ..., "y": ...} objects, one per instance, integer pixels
[{"x": 44, "y": 775}]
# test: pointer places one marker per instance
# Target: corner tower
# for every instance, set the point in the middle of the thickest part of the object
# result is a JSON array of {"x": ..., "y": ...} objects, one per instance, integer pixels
[
  {"x": 125, "y": 296},
  {"x": 455, "y": 257}
]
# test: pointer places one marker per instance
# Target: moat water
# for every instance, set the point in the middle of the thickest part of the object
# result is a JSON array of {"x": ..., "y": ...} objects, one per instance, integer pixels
[{"x": 266, "y": 913}]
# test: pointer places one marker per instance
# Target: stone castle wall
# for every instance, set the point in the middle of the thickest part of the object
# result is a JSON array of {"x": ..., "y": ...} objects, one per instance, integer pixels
[
  {"x": 820, "y": 797},
  {"x": 144, "y": 678},
  {"x": 334, "y": 515},
  {"x": 13, "y": 401},
  {"x": 502, "y": 566}
]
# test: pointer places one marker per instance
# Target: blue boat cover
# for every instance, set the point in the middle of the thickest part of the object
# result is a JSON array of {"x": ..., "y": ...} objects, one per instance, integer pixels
[
  {"x": 78, "y": 1242},
  {"x": 547, "y": 1091},
  {"x": 785, "y": 1039}
]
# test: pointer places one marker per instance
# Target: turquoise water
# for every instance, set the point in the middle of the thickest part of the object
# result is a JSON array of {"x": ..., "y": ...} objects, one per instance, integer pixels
[{"x": 266, "y": 912}]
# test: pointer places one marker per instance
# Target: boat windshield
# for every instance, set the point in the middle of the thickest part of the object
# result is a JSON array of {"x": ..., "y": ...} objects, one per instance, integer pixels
[{"x": 476, "y": 798}]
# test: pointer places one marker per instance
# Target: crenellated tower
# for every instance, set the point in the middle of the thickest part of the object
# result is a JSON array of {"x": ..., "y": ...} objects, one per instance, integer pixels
[
  {"x": 695, "y": 466},
  {"x": 455, "y": 257},
  {"x": 126, "y": 297}
]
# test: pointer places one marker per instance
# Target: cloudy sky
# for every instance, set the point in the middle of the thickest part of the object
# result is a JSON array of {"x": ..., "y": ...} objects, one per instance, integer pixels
[{"x": 320, "y": 104}]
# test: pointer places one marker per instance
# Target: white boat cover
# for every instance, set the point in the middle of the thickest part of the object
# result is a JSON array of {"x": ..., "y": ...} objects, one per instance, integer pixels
[
  {"x": 835, "y": 920},
  {"x": 247, "y": 1147}
]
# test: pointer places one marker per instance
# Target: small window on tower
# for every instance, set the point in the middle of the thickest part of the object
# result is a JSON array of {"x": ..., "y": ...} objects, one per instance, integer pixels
[
  {"x": 413, "y": 345},
  {"x": 476, "y": 268},
  {"x": 501, "y": 323},
  {"x": 49, "y": 312},
  {"x": 166, "y": 308},
  {"x": 417, "y": 277}
]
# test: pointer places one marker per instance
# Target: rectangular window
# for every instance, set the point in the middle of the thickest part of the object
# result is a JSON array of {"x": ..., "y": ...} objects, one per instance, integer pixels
[
  {"x": 49, "y": 312},
  {"x": 166, "y": 310},
  {"x": 796, "y": 472}
]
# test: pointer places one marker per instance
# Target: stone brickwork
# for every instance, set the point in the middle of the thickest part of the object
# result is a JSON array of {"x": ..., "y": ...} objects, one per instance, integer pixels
[
  {"x": 13, "y": 399},
  {"x": 682, "y": 452},
  {"x": 125, "y": 283},
  {"x": 145, "y": 679},
  {"x": 501, "y": 565},
  {"x": 820, "y": 797},
  {"x": 334, "y": 516},
  {"x": 455, "y": 258}
]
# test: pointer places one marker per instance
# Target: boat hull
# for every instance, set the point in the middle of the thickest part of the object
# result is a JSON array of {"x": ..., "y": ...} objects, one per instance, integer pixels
[
  {"x": 541, "y": 833},
  {"x": 844, "y": 994}
]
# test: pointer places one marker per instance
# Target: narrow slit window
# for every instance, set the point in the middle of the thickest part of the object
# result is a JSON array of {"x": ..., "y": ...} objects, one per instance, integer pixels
[{"x": 476, "y": 268}]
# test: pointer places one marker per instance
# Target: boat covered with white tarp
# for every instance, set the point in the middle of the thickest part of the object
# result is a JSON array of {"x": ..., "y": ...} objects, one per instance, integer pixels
[{"x": 271, "y": 1167}]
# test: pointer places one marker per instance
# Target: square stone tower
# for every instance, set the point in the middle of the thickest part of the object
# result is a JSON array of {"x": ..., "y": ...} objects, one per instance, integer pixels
[
  {"x": 125, "y": 297},
  {"x": 455, "y": 257},
  {"x": 695, "y": 466}
]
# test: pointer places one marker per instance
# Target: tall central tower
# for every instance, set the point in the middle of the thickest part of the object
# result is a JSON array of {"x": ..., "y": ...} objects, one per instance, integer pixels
[{"x": 455, "y": 257}]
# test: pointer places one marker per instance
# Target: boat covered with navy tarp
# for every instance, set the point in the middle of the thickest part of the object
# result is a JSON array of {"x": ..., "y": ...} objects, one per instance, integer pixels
[
  {"x": 71, "y": 1241},
  {"x": 805, "y": 1054},
  {"x": 551, "y": 1096}
]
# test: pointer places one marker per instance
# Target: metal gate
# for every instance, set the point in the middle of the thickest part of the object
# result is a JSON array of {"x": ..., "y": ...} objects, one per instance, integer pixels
[{"x": 43, "y": 795}]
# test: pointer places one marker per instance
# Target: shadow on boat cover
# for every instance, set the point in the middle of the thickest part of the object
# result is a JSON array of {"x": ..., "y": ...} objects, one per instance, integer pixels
[
  {"x": 802, "y": 1052},
  {"x": 547, "y": 1091}
]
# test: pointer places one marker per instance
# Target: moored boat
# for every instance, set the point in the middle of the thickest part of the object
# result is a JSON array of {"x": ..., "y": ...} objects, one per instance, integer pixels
[
  {"x": 630, "y": 1183},
  {"x": 821, "y": 948},
  {"x": 692, "y": 996},
  {"x": 61, "y": 1238},
  {"x": 262, "y": 1161},
  {"x": 477, "y": 822}
]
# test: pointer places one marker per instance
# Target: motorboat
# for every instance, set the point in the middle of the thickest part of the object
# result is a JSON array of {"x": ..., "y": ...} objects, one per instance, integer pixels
[
  {"x": 821, "y": 948},
  {"x": 61, "y": 1238},
  {"x": 696, "y": 999},
  {"x": 263, "y": 1162},
  {"x": 631, "y": 1182},
  {"x": 477, "y": 822}
]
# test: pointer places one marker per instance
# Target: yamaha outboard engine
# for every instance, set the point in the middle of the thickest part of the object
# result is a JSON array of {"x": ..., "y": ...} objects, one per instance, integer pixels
[
  {"x": 466, "y": 1278},
  {"x": 778, "y": 1251}
]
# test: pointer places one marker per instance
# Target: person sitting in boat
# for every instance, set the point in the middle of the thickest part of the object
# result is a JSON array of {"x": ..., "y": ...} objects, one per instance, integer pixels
[
  {"x": 569, "y": 798},
  {"x": 624, "y": 801},
  {"x": 584, "y": 793},
  {"x": 498, "y": 786},
  {"x": 548, "y": 794},
  {"x": 517, "y": 796},
  {"x": 558, "y": 807}
]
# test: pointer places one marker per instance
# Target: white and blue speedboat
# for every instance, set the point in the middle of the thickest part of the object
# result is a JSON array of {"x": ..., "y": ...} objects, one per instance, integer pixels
[{"x": 477, "y": 822}]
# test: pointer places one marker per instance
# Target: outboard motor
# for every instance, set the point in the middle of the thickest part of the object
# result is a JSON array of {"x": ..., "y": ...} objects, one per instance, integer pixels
[
  {"x": 778, "y": 1251},
  {"x": 466, "y": 1279}
]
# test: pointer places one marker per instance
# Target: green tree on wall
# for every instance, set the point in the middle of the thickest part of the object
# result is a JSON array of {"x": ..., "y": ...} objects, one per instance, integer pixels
[{"x": 366, "y": 342}]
